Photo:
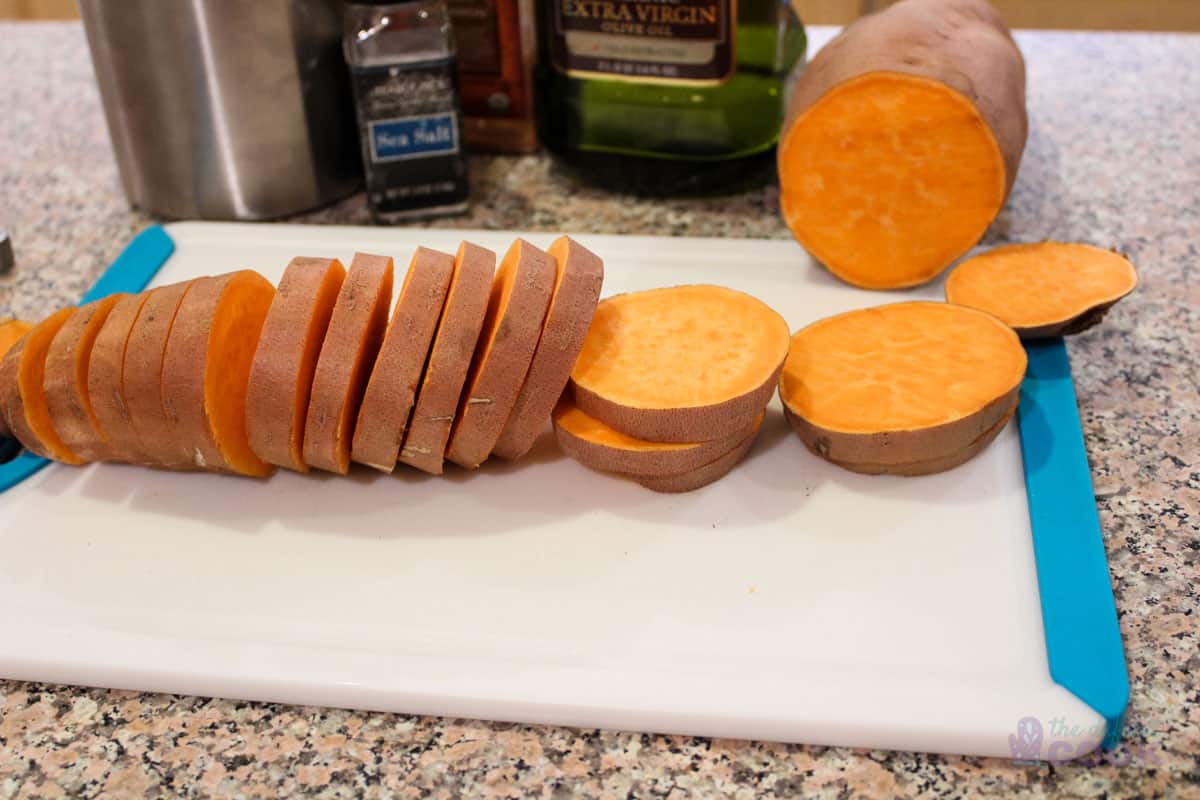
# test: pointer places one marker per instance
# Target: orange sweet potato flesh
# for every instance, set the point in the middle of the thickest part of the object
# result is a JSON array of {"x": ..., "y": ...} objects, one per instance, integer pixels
[
  {"x": 104, "y": 382},
  {"x": 352, "y": 341},
  {"x": 22, "y": 392},
  {"x": 285, "y": 361},
  {"x": 142, "y": 376},
  {"x": 206, "y": 371},
  {"x": 449, "y": 359},
  {"x": 580, "y": 275},
  {"x": 392, "y": 388},
  {"x": 602, "y": 447},
  {"x": 902, "y": 141},
  {"x": 11, "y": 332},
  {"x": 1043, "y": 289},
  {"x": 680, "y": 364},
  {"x": 901, "y": 383},
  {"x": 511, "y": 328},
  {"x": 66, "y": 380}
]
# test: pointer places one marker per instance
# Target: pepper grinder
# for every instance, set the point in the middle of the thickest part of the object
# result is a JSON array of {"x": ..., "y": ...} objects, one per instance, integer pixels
[{"x": 7, "y": 260}]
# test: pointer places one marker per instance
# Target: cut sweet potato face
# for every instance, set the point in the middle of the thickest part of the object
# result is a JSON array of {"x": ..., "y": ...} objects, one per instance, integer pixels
[
  {"x": 682, "y": 364},
  {"x": 66, "y": 380},
  {"x": 449, "y": 359},
  {"x": 206, "y": 371},
  {"x": 105, "y": 370},
  {"x": 900, "y": 384},
  {"x": 1044, "y": 289},
  {"x": 602, "y": 447},
  {"x": 142, "y": 376},
  {"x": 702, "y": 476},
  {"x": 511, "y": 329},
  {"x": 890, "y": 205},
  {"x": 580, "y": 275},
  {"x": 392, "y": 387},
  {"x": 285, "y": 361},
  {"x": 351, "y": 344},
  {"x": 22, "y": 384}
]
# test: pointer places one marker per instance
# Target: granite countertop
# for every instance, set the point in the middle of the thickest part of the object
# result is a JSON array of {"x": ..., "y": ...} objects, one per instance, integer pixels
[{"x": 1113, "y": 158}]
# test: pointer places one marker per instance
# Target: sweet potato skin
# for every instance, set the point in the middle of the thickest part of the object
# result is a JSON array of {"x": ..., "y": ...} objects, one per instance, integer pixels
[
  {"x": 701, "y": 476},
  {"x": 66, "y": 379},
  {"x": 142, "y": 375},
  {"x": 351, "y": 345},
  {"x": 511, "y": 329},
  {"x": 449, "y": 359},
  {"x": 281, "y": 376},
  {"x": 192, "y": 363},
  {"x": 963, "y": 44},
  {"x": 105, "y": 388},
  {"x": 11, "y": 332},
  {"x": 392, "y": 387},
  {"x": 577, "y": 290}
]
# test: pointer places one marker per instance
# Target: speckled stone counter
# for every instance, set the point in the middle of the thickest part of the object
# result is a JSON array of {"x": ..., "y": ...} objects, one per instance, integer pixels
[{"x": 1113, "y": 159}]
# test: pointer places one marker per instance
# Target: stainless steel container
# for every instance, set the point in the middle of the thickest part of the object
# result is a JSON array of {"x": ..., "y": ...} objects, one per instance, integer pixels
[{"x": 226, "y": 109}]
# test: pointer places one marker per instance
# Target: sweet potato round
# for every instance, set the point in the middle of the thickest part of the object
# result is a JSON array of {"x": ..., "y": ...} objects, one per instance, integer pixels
[
  {"x": 66, "y": 380},
  {"x": 23, "y": 394},
  {"x": 11, "y": 332},
  {"x": 392, "y": 387},
  {"x": 351, "y": 344},
  {"x": 449, "y": 359},
  {"x": 285, "y": 360},
  {"x": 602, "y": 447},
  {"x": 512, "y": 326},
  {"x": 902, "y": 141},
  {"x": 681, "y": 364},
  {"x": 206, "y": 370},
  {"x": 142, "y": 376},
  {"x": 104, "y": 386},
  {"x": 580, "y": 275},
  {"x": 704, "y": 475},
  {"x": 901, "y": 383},
  {"x": 1044, "y": 289}
]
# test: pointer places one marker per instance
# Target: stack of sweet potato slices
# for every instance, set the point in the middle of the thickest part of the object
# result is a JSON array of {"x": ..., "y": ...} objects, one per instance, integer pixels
[
  {"x": 671, "y": 385},
  {"x": 228, "y": 374}
]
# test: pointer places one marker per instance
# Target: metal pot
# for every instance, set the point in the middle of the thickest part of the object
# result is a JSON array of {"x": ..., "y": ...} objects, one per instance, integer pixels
[{"x": 226, "y": 109}]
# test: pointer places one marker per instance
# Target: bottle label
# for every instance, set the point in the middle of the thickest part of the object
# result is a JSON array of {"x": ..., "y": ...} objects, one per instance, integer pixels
[
  {"x": 410, "y": 122},
  {"x": 678, "y": 41}
]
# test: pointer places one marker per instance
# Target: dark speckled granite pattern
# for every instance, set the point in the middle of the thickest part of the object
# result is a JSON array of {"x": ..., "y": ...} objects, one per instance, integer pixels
[{"x": 1113, "y": 159}]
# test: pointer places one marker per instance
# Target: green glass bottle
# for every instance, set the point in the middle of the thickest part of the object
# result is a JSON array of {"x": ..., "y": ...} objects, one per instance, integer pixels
[{"x": 666, "y": 96}]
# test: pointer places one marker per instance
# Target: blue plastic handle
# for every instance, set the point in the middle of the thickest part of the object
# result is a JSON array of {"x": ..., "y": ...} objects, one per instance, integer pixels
[
  {"x": 137, "y": 265},
  {"x": 1079, "y": 614}
]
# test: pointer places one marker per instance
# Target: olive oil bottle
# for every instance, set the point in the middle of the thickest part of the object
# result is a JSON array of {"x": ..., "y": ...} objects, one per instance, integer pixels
[{"x": 665, "y": 96}]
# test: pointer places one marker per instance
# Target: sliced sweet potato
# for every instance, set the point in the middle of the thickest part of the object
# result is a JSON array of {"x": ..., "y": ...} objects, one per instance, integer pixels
[
  {"x": 902, "y": 141},
  {"x": 66, "y": 380},
  {"x": 1044, "y": 289},
  {"x": 285, "y": 361},
  {"x": 580, "y": 274},
  {"x": 602, "y": 447},
  {"x": 351, "y": 344},
  {"x": 511, "y": 328},
  {"x": 449, "y": 358},
  {"x": 105, "y": 369},
  {"x": 704, "y": 475},
  {"x": 11, "y": 332},
  {"x": 681, "y": 364},
  {"x": 142, "y": 376},
  {"x": 900, "y": 384},
  {"x": 392, "y": 388},
  {"x": 206, "y": 370},
  {"x": 928, "y": 466},
  {"x": 22, "y": 379}
]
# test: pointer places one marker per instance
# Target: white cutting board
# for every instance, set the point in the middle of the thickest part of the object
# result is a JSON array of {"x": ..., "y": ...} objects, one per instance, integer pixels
[{"x": 791, "y": 600}]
